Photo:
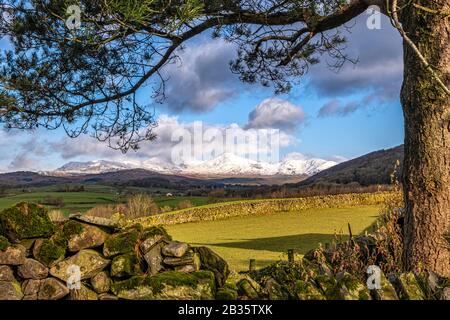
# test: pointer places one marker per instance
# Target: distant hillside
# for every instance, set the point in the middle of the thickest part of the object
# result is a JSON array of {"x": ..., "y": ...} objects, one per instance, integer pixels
[
  {"x": 135, "y": 177},
  {"x": 27, "y": 178},
  {"x": 373, "y": 168}
]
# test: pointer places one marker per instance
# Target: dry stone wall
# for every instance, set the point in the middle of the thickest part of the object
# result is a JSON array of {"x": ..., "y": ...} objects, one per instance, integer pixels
[
  {"x": 43, "y": 261},
  {"x": 257, "y": 207}
]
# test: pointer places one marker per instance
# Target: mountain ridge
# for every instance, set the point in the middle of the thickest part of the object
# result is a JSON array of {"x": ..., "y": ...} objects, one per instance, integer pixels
[
  {"x": 370, "y": 169},
  {"x": 226, "y": 165}
]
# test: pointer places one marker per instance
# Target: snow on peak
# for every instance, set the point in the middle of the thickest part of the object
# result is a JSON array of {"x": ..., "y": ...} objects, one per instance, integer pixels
[
  {"x": 92, "y": 167},
  {"x": 227, "y": 164}
]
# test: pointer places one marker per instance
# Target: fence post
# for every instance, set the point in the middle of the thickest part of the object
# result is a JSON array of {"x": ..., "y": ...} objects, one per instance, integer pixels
[
  {"x": 291, "y": 257},
  {"x": 350, "y": 231},
  {"x": 251, "y": 266}
]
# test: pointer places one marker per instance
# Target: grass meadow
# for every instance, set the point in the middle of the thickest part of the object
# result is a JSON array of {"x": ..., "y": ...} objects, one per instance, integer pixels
[
  {"x": 267, "y": 238},
  {"x": 75, "y": 202}
]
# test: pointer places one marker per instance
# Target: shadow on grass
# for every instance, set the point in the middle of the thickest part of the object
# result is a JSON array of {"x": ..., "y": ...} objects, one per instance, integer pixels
[{"x": 302, "y": 243}]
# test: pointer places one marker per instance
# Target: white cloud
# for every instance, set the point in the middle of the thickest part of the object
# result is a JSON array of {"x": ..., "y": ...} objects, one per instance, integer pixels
[
  {"x": 170, "y": 133},
  {"x": 276, "y": 113},
  {"x": 201, "y": 78}
]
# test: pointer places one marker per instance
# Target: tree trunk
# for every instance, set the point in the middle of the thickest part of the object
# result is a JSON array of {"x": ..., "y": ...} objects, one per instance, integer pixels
[{"x": 426, "y": 107}]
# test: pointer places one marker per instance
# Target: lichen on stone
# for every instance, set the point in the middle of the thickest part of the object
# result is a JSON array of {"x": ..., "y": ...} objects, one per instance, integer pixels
[
  {"x": 48, "y": 252},
  {"x": 155, "y": 231},
  {"x": 72, "y": 228},
  {"x": 121, "y": 243},
  {"x": 307, "y": 291},
  {"x": 25, "y": 221},
  {"x": 171, "y": 284},
  {"x": 4, "y": 243},
  {"x": 126, "y": 265}
]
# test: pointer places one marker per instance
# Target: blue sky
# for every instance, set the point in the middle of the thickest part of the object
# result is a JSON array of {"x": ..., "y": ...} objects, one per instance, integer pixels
[{"x": 334, "y": 115}]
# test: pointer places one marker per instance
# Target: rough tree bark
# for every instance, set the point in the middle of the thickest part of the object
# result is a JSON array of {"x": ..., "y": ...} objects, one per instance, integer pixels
[{"x": 426, "y": 109}]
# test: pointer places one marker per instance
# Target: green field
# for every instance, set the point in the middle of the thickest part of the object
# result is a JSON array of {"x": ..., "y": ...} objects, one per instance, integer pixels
[
  {"x": 267, "y": 238},
  {"x": 93, "y": 196}
]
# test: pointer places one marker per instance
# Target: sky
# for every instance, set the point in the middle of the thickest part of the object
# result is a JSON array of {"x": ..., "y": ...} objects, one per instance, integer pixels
[{"x": 329, "y": 115}]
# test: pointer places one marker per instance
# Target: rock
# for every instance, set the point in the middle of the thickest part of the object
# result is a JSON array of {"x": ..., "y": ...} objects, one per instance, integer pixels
[
  {"x": 175, "y": 249},
  {"x": 48, "y": 252},
  {"x": 10, "y": 290},
  {"x": 88, "y": 237},
  {"x": 4, "y": 243},
  {"x": 351, "y": 288},
  {"x": 305, "y": 290},
  {"x": 83, "y": 294},
  {"x": 32, "y": 269},
  {"x": 274, "y": 290},
  {"x": 247, "y": 289},
  {"x": 126, "y": 265},
  {"x": 169, "y": 285},
  {"x": 96, "y": 221},
  {"x": 226, "y": 294},
  {"x": 153, "y": 236},
  {"x": 433, "y": 280},
  {"x": 429, "y": 284},
  {"x": 407, "y": 286},
  {"x": 189, "y": 258},
  {"x": 14, "y": 255},
  {"x": 28, "y": 244},
  {"x": 89, "y": 261},
  {"x": 387, "y": 291},
  {"x": 52, "y": 289},
  {"x": 154, "y": 259},
  {"x": 107, "y": 297},
  {"x": 121, "y": 243},
  {"x": 329, "y": 287},
  {"x": 25, "y": 221},
  {"x": 187, "y": 268},
  {"x": 211, "y": 261},
  {"x": 445, "y": 295},
  {"x": 6, "y": 273},
  {"x": 149, "y": 243},
  {"x": 31, "y": 288},
  {"x": 101, "y": 283}
]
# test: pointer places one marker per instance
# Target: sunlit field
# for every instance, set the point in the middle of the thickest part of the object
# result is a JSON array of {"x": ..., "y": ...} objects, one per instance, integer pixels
[{"x": 267, "y": 238}]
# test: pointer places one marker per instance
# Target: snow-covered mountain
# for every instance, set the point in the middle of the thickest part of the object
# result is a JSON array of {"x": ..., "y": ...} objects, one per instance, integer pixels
[
  {"x": 232, "y": 165},
  {"x": 92, "y": 167},
  {"x": 308, "y": 167},
  {"x": 224, "y": 165}
]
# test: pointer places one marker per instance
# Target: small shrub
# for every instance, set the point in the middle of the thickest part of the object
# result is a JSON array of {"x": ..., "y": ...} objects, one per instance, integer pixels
[
  {"x": 185, "y": 204},
  {"x": 53, "y": 201},
  {"x": 103, "y": 211},
  {"x": 166, "y": 209},
  {"x": 137, "y": 206},
  {"x": 140, "y": 205},
  {"x": 57, "y": 216}
]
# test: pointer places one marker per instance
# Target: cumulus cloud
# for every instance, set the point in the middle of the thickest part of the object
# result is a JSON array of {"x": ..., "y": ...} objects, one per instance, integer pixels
[
  {"x": 336, "y": 108},
  {"x": 201, "y": 78},
  {"x": 21, "y": 150},
  {"x": 277, "y": 114},
  {"x": 203, "y": 142},
  {"x": 377, "y": 75}
]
